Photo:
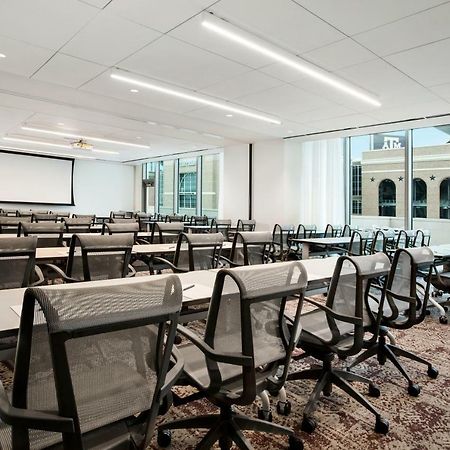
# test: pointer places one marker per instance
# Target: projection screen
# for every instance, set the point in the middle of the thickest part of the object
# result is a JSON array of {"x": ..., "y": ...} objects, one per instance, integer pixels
[{"x": 26, "y": 178}]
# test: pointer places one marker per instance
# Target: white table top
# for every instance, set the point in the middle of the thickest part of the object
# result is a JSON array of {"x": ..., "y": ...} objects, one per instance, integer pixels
[
  {"x": 317, "y": 269},
  {"x": 323, "y": 241},
  {"x": 441, "y": 251}
]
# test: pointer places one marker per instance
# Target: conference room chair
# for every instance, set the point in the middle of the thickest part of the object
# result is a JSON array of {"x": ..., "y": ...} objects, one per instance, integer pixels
[
  {"x": 337, "y": 328},
  {"x": 175, "y": 218},
  {"x": 357, "y": 245},
  {"x": 281, "y": 235},
  {"x": 221, "y": 226},
  {"x": 36, "y": 217},
  {"x": 123, "y": 220},
  {"x": 166, "y": 232},
  {"x": 9, "y": 212},
  {"x": 27, "y": 212},
  {"x": 11, "y": 225},
  {"x": 198, "y": 220},
  {"x": 96, "y": 257},
  {"x": 195, "y": 251},
  {"x": 105, "y": 387},
  {"x": 77, "y": 224},
  {"x": 422, "y": 238},
  {"x": 404, "y": 307},
  {"x": 3, "y": 214},
  {"x": 245, "y": 344},
  {"x": 85, "y": 216},
  {"x": 379, "y": 243},
  {"x": 143, "y": 221},
  {"x": 130, "y": 226},
  {"x": 346, "y": 231},
  {"x": 63, "y": 215},
  {"x": 245, "y": 225},
  {"x": 49, "y": 234},
  {"x": 250, "y": 247},
  {"x": 117, "y": 215}
]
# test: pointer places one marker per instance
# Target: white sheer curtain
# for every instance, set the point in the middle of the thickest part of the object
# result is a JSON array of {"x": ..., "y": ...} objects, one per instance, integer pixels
[{"x": 320, "y": 185}]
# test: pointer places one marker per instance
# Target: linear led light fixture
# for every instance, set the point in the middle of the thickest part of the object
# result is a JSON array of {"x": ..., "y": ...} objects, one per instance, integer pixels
[
  {"x": 232, "y": 33},
  {"x": 52, "y": 144},
  {"x": 83, "y": 136},
  {"x": 43, "y": 152},
  {"x": 188, "y": 95}
]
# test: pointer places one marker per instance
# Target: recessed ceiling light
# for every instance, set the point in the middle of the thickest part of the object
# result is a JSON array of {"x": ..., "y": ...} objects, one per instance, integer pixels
[
  {"x": 108, "y": 152},
  {"x": 30, "y": 141},
  {"x": 61, "y": 124},
  {"x": 82, "y": 136},
  {"x": 228, "y": 115},
  {"x": 212, "y": 135},
  {"x": 138, "y": 137},
  {"x": 134, "y": 91},
  {"x": 2, "y": 55},
  {"x": 194, "y": 97},
  {"x": 166, "y": 125},
  {"x": 27, "y": 150},
  {"x": 277, "y": 54},
  {"x": 152, "y": 123},
  {"x": 187, "y": 130}
]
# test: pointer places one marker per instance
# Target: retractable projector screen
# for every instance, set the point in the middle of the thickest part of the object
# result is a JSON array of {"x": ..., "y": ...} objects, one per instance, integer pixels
[{"x": 26, "y": 178}]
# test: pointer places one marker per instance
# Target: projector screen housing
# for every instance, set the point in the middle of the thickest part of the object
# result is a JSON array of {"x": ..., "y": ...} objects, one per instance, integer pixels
[{"x": 36, "y": 179}]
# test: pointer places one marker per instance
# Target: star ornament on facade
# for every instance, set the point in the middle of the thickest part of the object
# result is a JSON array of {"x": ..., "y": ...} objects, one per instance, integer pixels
[
  {"x": 400, "y": 178},
  {"x": 432, "y": 178},
  {"x": 372, "y": 179}
]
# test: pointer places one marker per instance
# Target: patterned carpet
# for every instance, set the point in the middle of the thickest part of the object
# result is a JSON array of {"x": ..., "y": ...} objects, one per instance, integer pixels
[{"x": 415, "y": 423}]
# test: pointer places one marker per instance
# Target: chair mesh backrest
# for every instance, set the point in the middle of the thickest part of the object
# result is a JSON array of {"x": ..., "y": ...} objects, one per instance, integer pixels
[
  {"x": 121, "y": 227},
  {"x": 166, "y": 232},
  {"x": 349, "y": 290},
  {"x": 357, "y": 244},
  {"x": 49, "y": 234},
  {"x": 402, "y": 282},
  {"x": 245, "y": 225},
  {"x": 198, "y": 251},
  {"x": 11, "y": 225},
  {"x": 251, "y": 247},
  {"x": 17, "y": 259},
  {"x": 26, "y": 213},
  {"x": 346, "y": 231},
  {"x": 142, "y": 219},
  {"x": 329, "y": 231},
  {"x": 281, "y": 235},
  {"x": 174, "y": 218},
  {"x": 246, "y": 315},
  {"x": 45, "y": 217},
  {"x": 199, "y": 220},
  {"x": 113, "y": 374},
  {"x": 117, "y": 214},
  {"x": 91, "y": 217},
  {"x": 123, "y": 220},
  {"x": 78, "y": 225},
  {"x": 99, "y": 257},
  {"x": 378, "y": 242}
]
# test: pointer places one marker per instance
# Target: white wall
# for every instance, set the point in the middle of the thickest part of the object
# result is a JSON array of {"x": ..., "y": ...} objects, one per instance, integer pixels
[{"x": 99, "y": 187}]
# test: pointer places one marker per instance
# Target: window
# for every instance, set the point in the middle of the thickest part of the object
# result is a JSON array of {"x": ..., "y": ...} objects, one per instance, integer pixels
[
  {"x": 148, "y": 183},
  {"x": 419, "y": 198},
  {"x": 386, "y": 198},
  {"x": 444, "y": 197},
  {"x": 187, "y": 186},
  {"x": 356, "y": 188},
  {"x": 165, "y": 187},
  {"x": 210, "y": 185}
]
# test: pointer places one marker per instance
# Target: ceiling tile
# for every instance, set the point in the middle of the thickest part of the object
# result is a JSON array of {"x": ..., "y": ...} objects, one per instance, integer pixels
[
  {"x": 173, "y": 61},
  {"x": 340, "y": 54},
  {"x": 410, "y": 32},
  {"x": 429, "y": 65},
  {"x": 283, "y": 22},
  {"x": 68, "y": 71},
  {"x": 9, "y": 117},
  {"x": 247, "y": 83},
  {"x": 44, "y": 23},
  {"x": 355, "y": 16},
  {"x": 107, "y": 39},
  {"x": 22, "y": 58},
  {"x": 161, "y": 16},
  {"x": 442, "y": 90},
  {"x": 97, "y": 3}
]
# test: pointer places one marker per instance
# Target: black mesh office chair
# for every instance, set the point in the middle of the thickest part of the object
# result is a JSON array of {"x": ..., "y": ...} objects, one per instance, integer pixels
[
  {"x": 49, "y": 234},
  {"x": 245, "y": 225},
  {"x": 221, "y": 226},
  {"x": 357, "y": 245},
  {"x": 77, "y": 224},
  {"x": 281, "y": 235},
  {"x": 97, "y": 257},
  {"x": 123, "y": 220},
  {"x": 36, "y": 217},
  {"x": 379, "y": 243},
  {"x": 174, "y": 218},
  {"x": 244, "y": 346},
  {"x": 104, "y": 387},
  {"x": 166, "y": 233},
  {"x": 251, "y": 247},
  {"x": 62, "y": 215},
  {"x": 11, "y": 225},
  {"x": 346, "y": 231},
  {"x": 117, "y": 215},
  {"x": 337, "y": 328},
  {"x": 404, "y": 306},
  {"x": 143, "y": 221},
  {"x": 199, "y": 220},
  {"x": 17, "y": 263},
  {"x": 329, "y": 231},
  {"x": 85, "y": 216},
  {"x": 121, "y": 228},
  {"x": 26, "y": 212},
  {"x": 195, "y": 251}
]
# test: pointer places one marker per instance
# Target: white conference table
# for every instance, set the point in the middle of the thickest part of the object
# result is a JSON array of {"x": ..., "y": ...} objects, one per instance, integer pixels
[
  {"x": 319, "y": 272},
  {"x": 54, "y": 253},
  {"x": 323, "y": 242},
  {"x": 441, "y": 251}
]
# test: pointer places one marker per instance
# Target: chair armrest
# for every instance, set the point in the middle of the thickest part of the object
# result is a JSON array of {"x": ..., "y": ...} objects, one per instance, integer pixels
[
  {"x": 61, "y": 273},
  {"x": 141, "y": 241},
  {"x": 40, "y": 275},
  {"x": 28, "y": 418},
  {"x": 236, "y": 359},
  {"x": 341, "y": 317},
  {"x": 228, "y": 261},
  {"x": 131, "y": 271},
  {"x": 174, "y": 373},
  {"x": 174, "y": 268}
]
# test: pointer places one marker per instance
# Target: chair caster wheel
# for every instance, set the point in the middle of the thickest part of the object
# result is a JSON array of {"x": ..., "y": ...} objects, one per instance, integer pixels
[
  {"x": 308, "y": 424},
  {"x": 295, "y": 443},
  {"x": 428, "y": 312},
  {"x": 432, "y": 372},
  {"x": 445, "y": 308},
  {"x": 443, "y": 320},
  {"x": 164, "y": 438},
  {"x": 178, "y": 340},
  {"x": 414, "y": 390},
  {"x": 284, "y": 408},
  {"x": 225, "y": 443},
  {"x": 374, "y": 391},
  {"x": 381, "y": 426},
  {"x": 265, "y": 415}
]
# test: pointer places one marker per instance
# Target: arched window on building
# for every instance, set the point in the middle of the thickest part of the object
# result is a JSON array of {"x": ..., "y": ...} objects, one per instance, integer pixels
[
  {"x": 419, "y": 198},
  {"x": 386, "y": 198},
  {"x": 444, "y": 210}
]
